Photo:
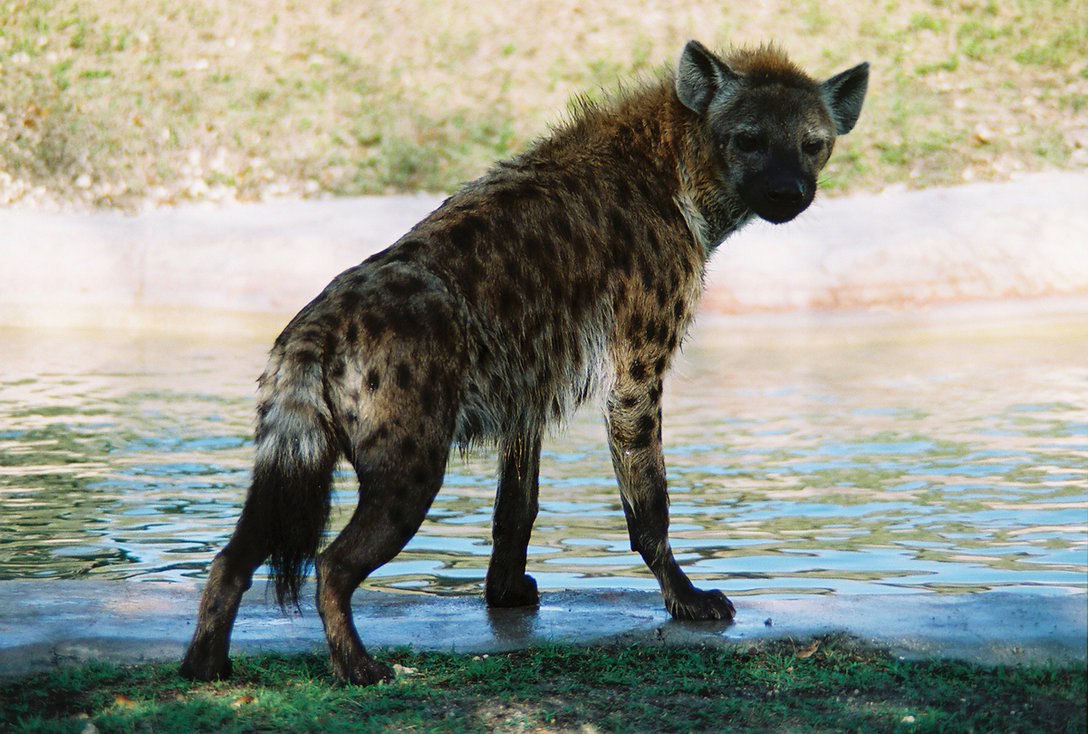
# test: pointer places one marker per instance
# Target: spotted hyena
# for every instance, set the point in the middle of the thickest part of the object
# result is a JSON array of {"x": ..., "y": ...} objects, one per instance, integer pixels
[{"x": 570, "y": 271}]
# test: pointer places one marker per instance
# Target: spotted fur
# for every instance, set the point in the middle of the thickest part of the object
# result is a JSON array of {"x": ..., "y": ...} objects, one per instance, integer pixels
[{"x": 569, "y": 272}]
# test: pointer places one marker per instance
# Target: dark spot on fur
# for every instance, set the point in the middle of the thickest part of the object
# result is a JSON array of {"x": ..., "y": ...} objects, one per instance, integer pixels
[
  {"x": 403, "y": 321},
  {"x": 530, "y": 352},
  {"x": 655, "y": 392},
  {"x": 562, "y": 229},
  {"x": 404, "y": 287},
  {"x": 621, "y": 230},
  {"x": 662, "y": 295},
  {"x": 644, "y": 432},
  {"x": 374, "y": 324},
  {"x": 373, "y": 382},
  {"x": 403, "y": 375},
  {"x": 620, "y": 290},
  {"x": 579, "y": 297},
  {"x": 651, "y": 331},
  {"x": 352, "y": 417},
  {"x": 511, "y": 268},
  {"x": 637, "y": 371},
  {"x": 651, "y": 240},
  {"x": 306, "y": 356},
  {"x": 509, "y": 300},
  {"x": 426, "y": 399},
  {"x": 634, "y": 327},
  {"x": 678, "y": 310},
  {"x": 420, "y": 475},
  {"x": 337, "y": 370},
  {"x": 558, "y": 287},
  {"x": 410, "y": 247},
  {"x": 352, "y": 333},
  {"x": 623, "y": 194},
  {"x": 397, "y": 256},
  {"x": 659, "y": 366},
  {"x": 463, "y": 234},
  {"x": 351, "y": 301},
  {"x": 647, "y": 274},
  {"x": 376, "y": 438},
  {"x": 662, "y": 336},
  {"x": 593, "y": 212}
]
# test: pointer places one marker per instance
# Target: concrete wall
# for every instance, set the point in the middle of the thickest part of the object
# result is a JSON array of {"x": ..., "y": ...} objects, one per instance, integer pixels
[{"x": 213, "y": 268}]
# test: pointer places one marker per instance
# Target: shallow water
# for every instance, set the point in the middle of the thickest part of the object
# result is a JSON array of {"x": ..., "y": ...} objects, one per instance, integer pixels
[{"x": 805, "y": 456}]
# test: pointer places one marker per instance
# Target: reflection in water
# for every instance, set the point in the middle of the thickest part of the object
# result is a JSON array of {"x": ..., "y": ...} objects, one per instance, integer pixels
[{"x": 807, "y": 459}]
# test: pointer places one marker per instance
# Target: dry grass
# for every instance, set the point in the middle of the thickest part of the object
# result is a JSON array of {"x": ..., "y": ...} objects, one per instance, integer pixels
[{"x": 130, "y": 102}]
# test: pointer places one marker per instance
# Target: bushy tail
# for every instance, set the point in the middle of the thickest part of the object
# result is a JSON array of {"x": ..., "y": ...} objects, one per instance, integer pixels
[{"x": 288, "y": 503}]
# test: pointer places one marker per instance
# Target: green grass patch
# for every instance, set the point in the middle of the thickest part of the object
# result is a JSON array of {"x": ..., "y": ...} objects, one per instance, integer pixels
[
  {"x": 119, "y": 104},
  {"x": 830, "y": 685}
]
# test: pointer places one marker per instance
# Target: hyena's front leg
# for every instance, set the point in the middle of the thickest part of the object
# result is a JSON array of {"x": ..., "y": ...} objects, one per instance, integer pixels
[
  {"x": 634, "y": 433},
  {"x": 515, "y": 510}
]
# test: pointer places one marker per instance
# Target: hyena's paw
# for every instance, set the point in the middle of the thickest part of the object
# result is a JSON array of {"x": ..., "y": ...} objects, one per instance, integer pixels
[
  {"x": 362, "y": 671},
  {"x": 204, "y": 668},
  {"x": 521, "y": 592},
  {"x": 700, "y": 606}
]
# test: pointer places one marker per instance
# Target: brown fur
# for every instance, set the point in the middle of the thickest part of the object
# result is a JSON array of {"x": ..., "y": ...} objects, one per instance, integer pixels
[{"x": 571, "y": 271}]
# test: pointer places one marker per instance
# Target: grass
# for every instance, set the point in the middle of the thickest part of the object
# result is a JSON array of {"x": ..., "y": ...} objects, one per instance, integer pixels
[
  {"x": 129, "y": 103},
  {"x": 785, "y": 686}
]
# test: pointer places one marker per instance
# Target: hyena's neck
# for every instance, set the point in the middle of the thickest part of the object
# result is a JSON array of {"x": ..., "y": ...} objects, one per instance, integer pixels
[
  {"x": 711, "y": 214},
  {"x": 653, "y": 134},
  {"x": 712, "y": 211}
]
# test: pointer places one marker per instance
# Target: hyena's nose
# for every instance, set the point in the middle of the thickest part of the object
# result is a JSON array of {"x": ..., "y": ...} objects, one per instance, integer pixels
[{"x": 787, "y": 193}]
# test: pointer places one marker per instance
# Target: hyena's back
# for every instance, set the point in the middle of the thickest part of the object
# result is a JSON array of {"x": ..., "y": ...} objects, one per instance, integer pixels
[{"x": 510, "y": 302}]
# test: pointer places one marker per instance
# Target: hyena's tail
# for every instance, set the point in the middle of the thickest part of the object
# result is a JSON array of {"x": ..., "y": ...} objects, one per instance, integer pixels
[{"x": 287, "y": 507}]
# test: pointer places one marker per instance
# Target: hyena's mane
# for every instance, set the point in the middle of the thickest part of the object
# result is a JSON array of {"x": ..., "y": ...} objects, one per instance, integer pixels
[{"x": 766, "y": 64}]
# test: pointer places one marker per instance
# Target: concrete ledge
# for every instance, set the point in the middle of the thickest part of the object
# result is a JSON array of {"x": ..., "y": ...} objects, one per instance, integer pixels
[
  {"x": 50, "y": 624},
  {"x": 1022, "y": 239}
]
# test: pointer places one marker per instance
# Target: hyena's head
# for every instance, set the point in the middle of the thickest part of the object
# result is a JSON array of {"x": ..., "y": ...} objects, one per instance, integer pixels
[{"x": 771, "y": 127}]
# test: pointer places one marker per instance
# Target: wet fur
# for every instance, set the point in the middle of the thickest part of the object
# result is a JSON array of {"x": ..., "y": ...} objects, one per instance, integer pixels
[{"x": 569, "y": 272}]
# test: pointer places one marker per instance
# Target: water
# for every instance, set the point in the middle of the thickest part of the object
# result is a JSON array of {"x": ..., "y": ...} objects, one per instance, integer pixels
[{"x": 806, "y": 458}]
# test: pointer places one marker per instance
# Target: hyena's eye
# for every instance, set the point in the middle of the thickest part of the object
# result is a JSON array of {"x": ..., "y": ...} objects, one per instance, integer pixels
[
  {"x": 747, "y": 142},
  {"x": 813, "y": 146}
]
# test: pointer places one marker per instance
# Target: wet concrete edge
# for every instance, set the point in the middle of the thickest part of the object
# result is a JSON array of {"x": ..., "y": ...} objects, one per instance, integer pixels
[{"x": 50, "y": 624}]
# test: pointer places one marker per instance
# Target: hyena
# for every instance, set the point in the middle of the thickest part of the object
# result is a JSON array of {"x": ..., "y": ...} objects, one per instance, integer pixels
[{"x": 570, "y": 271}]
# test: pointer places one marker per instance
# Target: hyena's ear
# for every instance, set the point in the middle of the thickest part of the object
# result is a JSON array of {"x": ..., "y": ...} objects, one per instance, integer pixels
[
  {"x": 700, "y": 76},
  {"x": 843, "y": 94}
]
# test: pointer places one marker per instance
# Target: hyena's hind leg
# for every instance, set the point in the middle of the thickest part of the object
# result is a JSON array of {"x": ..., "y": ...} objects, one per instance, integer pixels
[
  {"x": 260, "y": 528},
  {"x": 231, "y": 573},
  {"x": 516, "y": 506},
  {"x": 284, "y": 515},
  {"x": 394, "y": 498},
  {"x": 400, "y": 461}
]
